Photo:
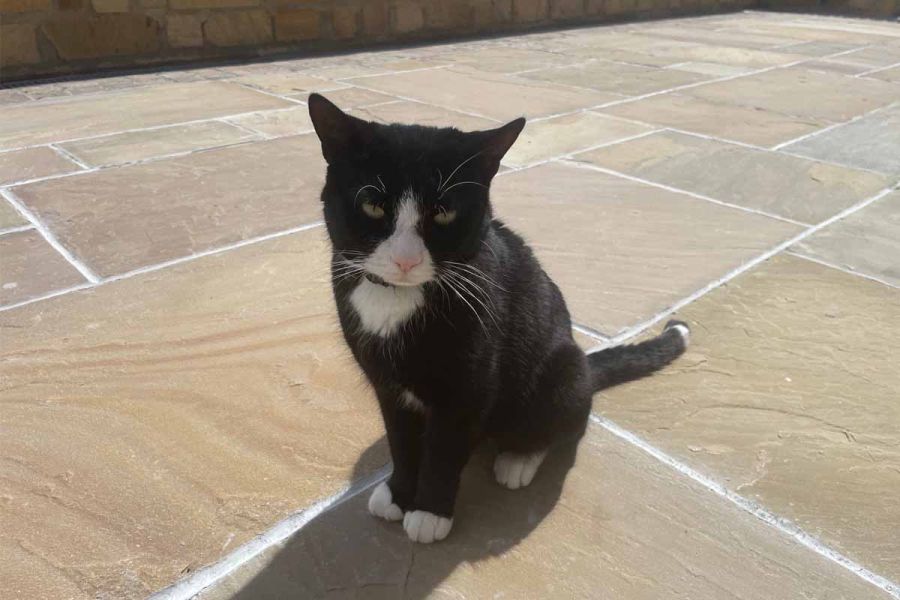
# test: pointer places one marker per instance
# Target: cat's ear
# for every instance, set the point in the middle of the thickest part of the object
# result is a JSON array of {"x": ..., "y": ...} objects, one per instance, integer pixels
[
  {"x": 339, "y": 133},
  {"x": 497, "y": 142}
]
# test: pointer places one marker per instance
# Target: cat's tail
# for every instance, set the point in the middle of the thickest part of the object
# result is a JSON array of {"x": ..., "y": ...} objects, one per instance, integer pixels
[{"x": 612, "y": 366}]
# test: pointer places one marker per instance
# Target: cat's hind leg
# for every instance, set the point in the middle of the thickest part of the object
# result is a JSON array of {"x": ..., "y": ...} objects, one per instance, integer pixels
[{"x": 531, "y": 421}]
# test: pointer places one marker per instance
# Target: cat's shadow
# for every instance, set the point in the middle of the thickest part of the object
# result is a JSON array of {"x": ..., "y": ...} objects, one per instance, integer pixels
[{"x": 346, "y": 553}]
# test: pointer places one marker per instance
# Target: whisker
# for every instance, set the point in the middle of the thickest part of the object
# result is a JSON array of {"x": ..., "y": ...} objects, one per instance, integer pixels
[
  {"x": 467, "y": 286},
  {"x": 478, "y": 273},
  {"x": 383, "y": 187},
  {"x": 365, "y": 187},
  {"x": 454, "y": 289},
  {"x": 460, "y": 183},
  {"x": 449, "y": 179}
]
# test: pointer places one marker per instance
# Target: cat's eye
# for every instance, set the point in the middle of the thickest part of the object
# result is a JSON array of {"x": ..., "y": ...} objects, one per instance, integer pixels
[
  {"x": 372, "y": 210},
  {"x": 444, "y": 217}
]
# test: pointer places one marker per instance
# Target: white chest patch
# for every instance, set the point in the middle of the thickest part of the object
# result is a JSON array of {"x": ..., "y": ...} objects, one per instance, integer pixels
[{"x": 381, "y": 309}]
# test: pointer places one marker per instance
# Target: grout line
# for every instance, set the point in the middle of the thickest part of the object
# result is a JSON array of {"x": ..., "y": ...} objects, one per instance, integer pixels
[
  {"x": 877, "y": 70},
  {"x": 48, "y": 235},
  {"x": 581, "y": 150},
  {"x": 68, "y": 155},
  {"x": 417, "y": 101},
  {"x": 195, "y": 583},
  {"x": 644, "y": 325},
  {"x": 698, "y": 84},
  {"x": 842, "y": 269},
  {"x": 16, "y": 229},
  {"x": 163, "y": 265},
  {"x": 590, "y": 332},
  {"x": 259, "y": 135},
  {"x": 757, "y": 510},
  {"x": 778, "y": 147},
  {"x": 273, "y": 94},
  {"x": 592, "y": 167},
  {"x": 351, "y": 79}
]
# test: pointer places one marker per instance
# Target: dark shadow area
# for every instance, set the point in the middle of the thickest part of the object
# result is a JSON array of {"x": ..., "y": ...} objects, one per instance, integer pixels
[{"x": 347, "y": 553}]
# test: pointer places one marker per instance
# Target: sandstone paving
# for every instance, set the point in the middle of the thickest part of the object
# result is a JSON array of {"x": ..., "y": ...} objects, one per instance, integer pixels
[
  {"x": 803, "y": 92},
  {"x": 118, "y": 220},
  {"x": 31, "y": 267},
  {"x": 617, "y": 525},
  {"x": 788, "y": 186},
  {"x": 788, "y": 397},
  {"x": 140, "y": 145},
  {"x": 871, "y": 142},
  {"x": 31, "y": 163},
  {"x": 650, "y": 258},
  {"x": 728, "y": 121},
  {"x": 490, "y": 95},
  {"x": 867, "y": 242},
  {"x": 82, "y": 116},
  {"x": 155, "y": 423}
]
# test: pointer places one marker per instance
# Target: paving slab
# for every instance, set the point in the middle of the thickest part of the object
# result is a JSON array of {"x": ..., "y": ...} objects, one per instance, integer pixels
[
  {"x": 631, "y": 80},
  {"x": 779, "y": 184},
  {"x": 82, "y": 116},
  {"x": 117, "y": 220},
  {"x": 802, "y": 92},
  {"x": 153, "y": 424},
  {"x": 506, "y": 60},
  {"x": 788, "y": 397},
  {"x": 892, "y": 74},
  {"x": 738, "y": 123},
  {"x": 31, "y": 163},
  {"x": 9, "y": 216},
  {"x": 541, "y": 140},
  {"x": 140, "y": 145},
  {"x": 616, "y": 525},
  {"x": 277, "y": 123},
  {"x": 872, "y": 142},
  {"x": 868, "y": 241},
  {"x": 622, "y": 251},
  {"x": 492, "y": 95},
  {"x": 31, "y": 268}
]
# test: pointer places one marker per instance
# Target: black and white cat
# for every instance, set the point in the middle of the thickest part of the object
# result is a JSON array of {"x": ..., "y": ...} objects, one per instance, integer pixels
[{"x": 461, "y": 333}]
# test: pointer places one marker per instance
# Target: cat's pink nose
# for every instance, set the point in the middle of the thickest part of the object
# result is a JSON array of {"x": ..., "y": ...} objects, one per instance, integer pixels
[{"x": 406, "y": 263}]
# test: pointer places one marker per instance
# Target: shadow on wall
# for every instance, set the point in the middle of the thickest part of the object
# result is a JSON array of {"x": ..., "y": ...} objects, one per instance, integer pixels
[{"x": 345, "y": 552}]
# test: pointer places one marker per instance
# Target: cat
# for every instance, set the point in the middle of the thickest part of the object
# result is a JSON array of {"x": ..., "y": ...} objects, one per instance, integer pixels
[{"x": 458, "y": 329}]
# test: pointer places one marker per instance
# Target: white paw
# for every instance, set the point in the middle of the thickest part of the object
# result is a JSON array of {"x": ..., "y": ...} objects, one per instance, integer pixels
[
  {"x": 381, "y": 504},
  {"x": 515, "y": 471},
  {"x": 424, "y": 527}
]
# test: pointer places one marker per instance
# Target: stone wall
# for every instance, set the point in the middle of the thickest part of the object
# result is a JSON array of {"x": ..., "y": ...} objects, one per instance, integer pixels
[{"x": 51, "y": 37}]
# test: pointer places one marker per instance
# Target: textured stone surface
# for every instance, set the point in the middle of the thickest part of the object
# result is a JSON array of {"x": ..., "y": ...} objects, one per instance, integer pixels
[
  {"x": 288, "y": 84},
  {"x": 788, "y": 396},
  {"x": 18, "y": 45},
  {"x": 804, "y": 93},
  {"x": 739, "y": 123},
  {"x": 9, "y": 217},
  {"x": 31, "y": 267},
  {"x": 277, "y": 123},
  {"x": 119, "y": 220},
  {"x": 617, "y": 525},
  {"x": 487, "y": 94},
  {"x": 779, "y": 184},
  {"x": 506, "y": 60},
  {"x": 541, "y": 140},
  {"x": 31, "y": 163},
  {"x": 621, "y": 251},
  {"x": 139, "y": 145},
  {"x": 153, "y": 424},
  {"x": 632, "y": 80},
  {"x": 184, "y": 30},
  {"x": 296, "y": 25},
  {"x": 872, "y": 142},
  {"x": 352, "y": 97},
  {"x": 48, "y": 121},
  {"x": 244, "y": 28},
  {"x": 103, "y": 35},
  {"x": 867, "y": 241}
]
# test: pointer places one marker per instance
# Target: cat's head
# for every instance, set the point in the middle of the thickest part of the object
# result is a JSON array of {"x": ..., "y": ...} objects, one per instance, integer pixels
[{"x": 402, "y": 200}]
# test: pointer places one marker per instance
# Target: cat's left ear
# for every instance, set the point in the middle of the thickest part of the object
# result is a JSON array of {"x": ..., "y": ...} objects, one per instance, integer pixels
[
  {"x": 497, "y": 143},
  {"x": 339, "y": 133}
]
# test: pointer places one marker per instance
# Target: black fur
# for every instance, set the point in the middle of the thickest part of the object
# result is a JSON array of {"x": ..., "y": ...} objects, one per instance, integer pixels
[{"x": 499, "y": 362}]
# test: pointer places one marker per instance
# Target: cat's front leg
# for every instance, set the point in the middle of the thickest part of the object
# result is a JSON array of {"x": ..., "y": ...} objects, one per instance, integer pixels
[
  {"x": 448, "y": 442},
  {"x": 404, "y": 427}
]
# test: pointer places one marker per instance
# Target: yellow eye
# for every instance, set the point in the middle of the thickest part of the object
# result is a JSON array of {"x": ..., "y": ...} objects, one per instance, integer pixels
[
  {"x": 373, "y": 211},
  {"x": 445, "y": 217}
]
